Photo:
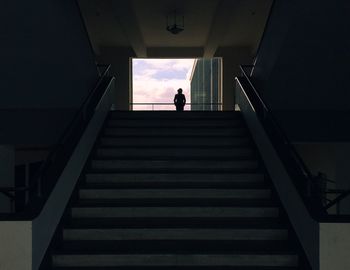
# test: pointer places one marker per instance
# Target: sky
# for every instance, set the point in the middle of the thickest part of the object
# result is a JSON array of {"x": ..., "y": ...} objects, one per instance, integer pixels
[{"x": 157, "y": 80}]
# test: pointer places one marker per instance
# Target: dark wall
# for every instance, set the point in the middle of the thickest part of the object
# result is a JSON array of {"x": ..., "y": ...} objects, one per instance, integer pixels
[
  {"x": 39, "y": 127},
  {"x": 46, "y": 58},
  {"x": 302, "y": 63}
]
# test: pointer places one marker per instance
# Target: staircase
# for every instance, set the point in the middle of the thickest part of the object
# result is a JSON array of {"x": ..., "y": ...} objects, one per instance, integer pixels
[{"x": 175, "y": 190}]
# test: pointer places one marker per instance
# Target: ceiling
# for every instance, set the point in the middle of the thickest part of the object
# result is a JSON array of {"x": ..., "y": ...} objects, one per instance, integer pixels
[{"x": 141, "y": 25}]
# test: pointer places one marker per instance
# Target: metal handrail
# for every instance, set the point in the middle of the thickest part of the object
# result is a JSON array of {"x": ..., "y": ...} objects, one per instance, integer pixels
[
  {"x": 343, "y": 193},
  {"x": 313, "y": 204},
  {"x": 169, "y": 103},
  {"x": 299, "y": 160},
  {"x": 82, "y": 115},
  {"x": 311, "y": 196}
]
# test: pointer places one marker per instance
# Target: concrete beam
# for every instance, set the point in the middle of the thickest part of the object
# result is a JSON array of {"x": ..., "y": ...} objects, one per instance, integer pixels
[
  {"x": 125, "y": 14},
  {"x": 219, "y": 27},
  {"x": 175, "y": 52}
]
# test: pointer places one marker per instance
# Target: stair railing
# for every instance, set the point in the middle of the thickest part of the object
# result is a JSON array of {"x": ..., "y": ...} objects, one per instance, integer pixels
[
  {"x": 47, "y": 175},
  {"x": 295, "y": 166},
  {"x": 342, "y": 194}
]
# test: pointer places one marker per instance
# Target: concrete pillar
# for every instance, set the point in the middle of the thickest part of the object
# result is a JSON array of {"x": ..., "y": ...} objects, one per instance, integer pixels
[
  {"x": 7, "y": 174},
  {"x": 119, "y": 58},
  {"x": 232, "y": 58},
  {"x": 228, "y": 84}
]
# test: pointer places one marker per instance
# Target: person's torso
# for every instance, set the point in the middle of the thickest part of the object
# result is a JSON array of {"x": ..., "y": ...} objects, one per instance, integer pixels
[{"x": 180, "y": 98}]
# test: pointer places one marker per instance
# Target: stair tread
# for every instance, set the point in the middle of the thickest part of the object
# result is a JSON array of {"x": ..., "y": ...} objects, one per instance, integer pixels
[
  {"x": 214, "y": 212},
  {"x": 128, "y": 124},
  {"x": 174, "y": 153},
  {"x": 178, "y": 268},
  {"x": 176, "y": 223},
  {"x": 106, "y": 183},
  {"x": 170, "y": 158},
  {"x": 166, "y": 141},
  {"x": 173, "y": 170},
  {"x": 177, "y": 177},
  {"x": 177, "y": 234},
  {"x": 174, "y": 165},
  {"x": 285, "y": 259},
  {"x": 173, "y": 203},
  {"x": 184, "y": 208},
  {"x": 189, "y": 147},
  {"x": 116, "y": 124},
  {"x": 174, "y": 185},
  {"x": 195, "y": 162},
  {"x": 134, "y": 131},
  {"x": 174, "y": 147},
  {"x": 185, "y": 122},
  {"x": 169, "y": 187},
  {"x": 167, "y": 114},
  {"x": 177, "y": 136},
  {"x": 192, "y": 192},
  {"x": 187, "y": 117},
  {"x": 175, "y": 247},
  {"x": 175, "y": 194},
  {"x": 188, "y": 132}
]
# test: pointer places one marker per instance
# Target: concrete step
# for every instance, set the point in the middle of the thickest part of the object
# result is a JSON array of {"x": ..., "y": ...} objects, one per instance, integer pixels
[
  {"x": 178, "y": 268},
  {"x": 177, "y": 165},
  {"x": 193, "y": 234},
  {"x": 177, "y": 185},
  {"x": 176, "y": 123},
  {"x": 134, "y": 131},
  {"x": 174, "y": 141},
  {"x": 173, "y": 178},
  {"x": 189, "y": 222},
  {"x": 172, "y": 152},
  {"x": 175, "y": 115},
  {"x": 175, "y": 193},
  {"x": 175, "y": 247},
  {"x": 204, "y": 260},
  {"x": 173, "y": 212},
  {"x": 175, "y": 202}
]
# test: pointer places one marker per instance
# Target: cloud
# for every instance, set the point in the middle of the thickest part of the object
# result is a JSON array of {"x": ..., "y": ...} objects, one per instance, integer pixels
[
  {"x": 173, "y": 64},
  {"x": 157, "y": 80}
]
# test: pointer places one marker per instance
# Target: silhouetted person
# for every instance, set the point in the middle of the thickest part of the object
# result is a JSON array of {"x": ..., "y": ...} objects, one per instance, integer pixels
[{"x": 179, "y": 100}]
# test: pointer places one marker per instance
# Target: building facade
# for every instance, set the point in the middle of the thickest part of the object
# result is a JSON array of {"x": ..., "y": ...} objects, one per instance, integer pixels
[{"x": 206, "y": 85}]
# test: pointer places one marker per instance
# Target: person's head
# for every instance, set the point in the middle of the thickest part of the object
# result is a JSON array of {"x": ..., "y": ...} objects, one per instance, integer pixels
[{"x": 179, "y": 91}]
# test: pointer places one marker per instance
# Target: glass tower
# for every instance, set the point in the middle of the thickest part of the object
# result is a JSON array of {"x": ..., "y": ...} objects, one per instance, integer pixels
[{"x": 206, "y": 85}]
